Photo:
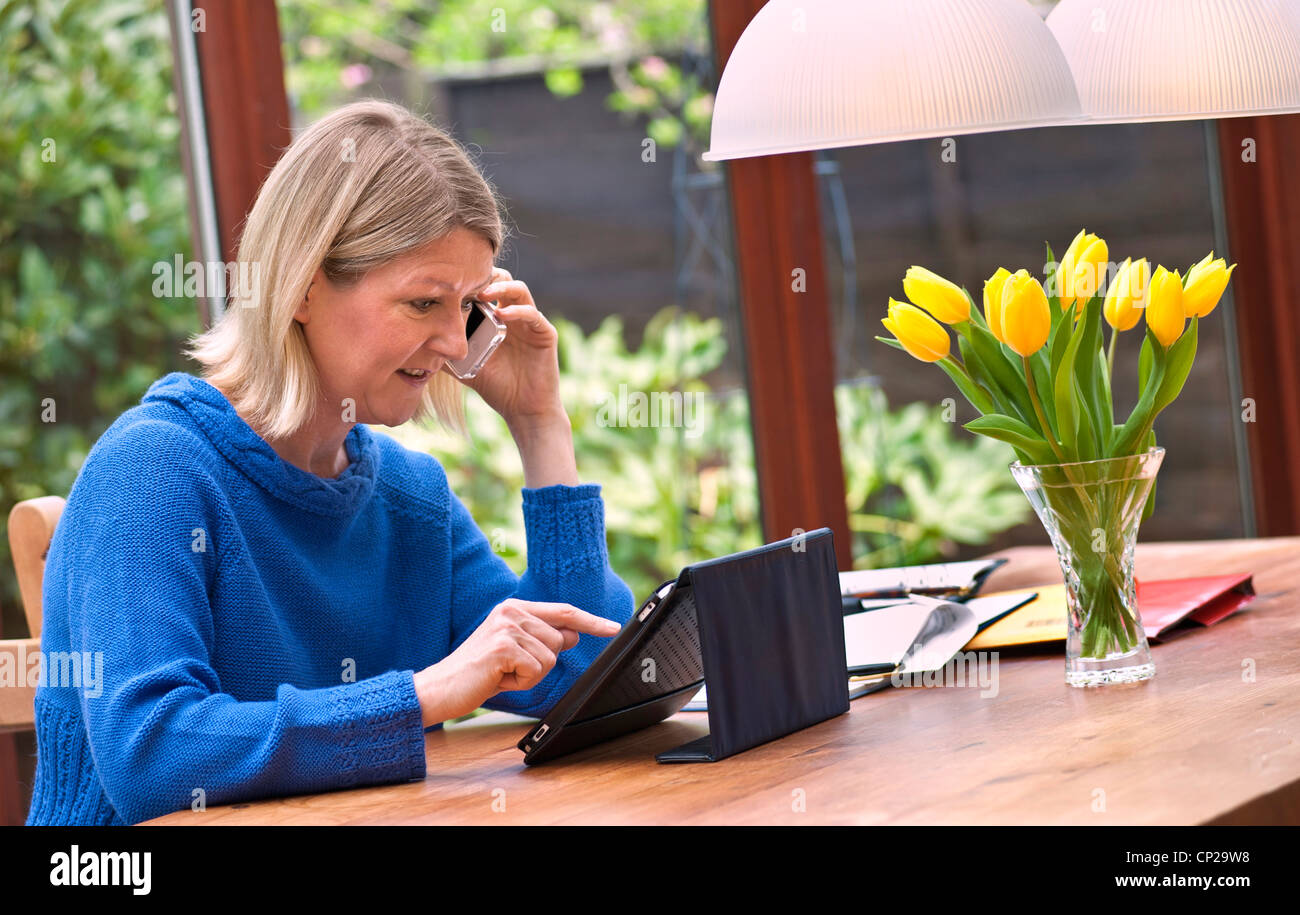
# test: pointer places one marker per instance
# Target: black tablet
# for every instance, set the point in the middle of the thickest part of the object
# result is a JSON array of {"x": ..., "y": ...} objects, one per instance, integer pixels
[{"x": 651, "y": 669}]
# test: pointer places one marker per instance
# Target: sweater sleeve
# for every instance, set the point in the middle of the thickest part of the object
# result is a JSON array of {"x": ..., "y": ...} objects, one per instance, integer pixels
[
  {"x": 568, "y": 562},
  {"x": 161, "y": 729}
]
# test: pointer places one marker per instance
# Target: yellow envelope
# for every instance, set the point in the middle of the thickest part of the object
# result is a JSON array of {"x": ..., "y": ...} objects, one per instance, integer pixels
[{"x": 1041, "y": 620}]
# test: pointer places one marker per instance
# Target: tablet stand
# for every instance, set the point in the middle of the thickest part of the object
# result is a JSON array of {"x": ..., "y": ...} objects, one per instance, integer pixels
[{"x": 771, "y": 630}]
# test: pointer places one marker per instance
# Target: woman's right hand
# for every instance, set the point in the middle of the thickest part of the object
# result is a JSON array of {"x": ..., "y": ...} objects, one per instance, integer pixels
[{"x": 514, "y": 648}]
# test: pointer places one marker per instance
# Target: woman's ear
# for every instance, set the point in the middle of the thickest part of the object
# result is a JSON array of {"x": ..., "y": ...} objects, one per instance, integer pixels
[{"x": 301, "y": 314}]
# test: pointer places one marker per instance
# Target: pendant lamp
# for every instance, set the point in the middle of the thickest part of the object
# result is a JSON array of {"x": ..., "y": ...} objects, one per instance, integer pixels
[
  {"x": 821, "y": 74},
  {"x": 1167, "y": 60}
]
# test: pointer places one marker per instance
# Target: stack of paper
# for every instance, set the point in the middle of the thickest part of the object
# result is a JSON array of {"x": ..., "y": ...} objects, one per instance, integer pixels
[
  {"x": 912, "y": 637},
  {"x": 871, "y": 588}
]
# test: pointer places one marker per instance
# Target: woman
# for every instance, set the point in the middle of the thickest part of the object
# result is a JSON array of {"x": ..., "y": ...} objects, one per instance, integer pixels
[{"x": 283, "y": 599}]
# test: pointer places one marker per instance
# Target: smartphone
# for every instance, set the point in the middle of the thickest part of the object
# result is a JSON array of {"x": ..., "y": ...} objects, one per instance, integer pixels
[{"x": 485, "y": 333}]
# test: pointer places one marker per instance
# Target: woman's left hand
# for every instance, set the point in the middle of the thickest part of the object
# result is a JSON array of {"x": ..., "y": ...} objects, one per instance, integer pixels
[{"x": 521, "y": 380}]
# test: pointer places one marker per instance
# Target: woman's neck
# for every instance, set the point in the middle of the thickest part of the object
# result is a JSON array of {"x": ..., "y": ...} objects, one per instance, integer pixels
[{"x": 318, "y": 447}]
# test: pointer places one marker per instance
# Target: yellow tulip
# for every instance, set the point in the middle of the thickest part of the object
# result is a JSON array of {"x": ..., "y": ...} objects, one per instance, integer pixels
[
  {"x": 938, "y": 296},
  {"x": 921, "y": 335},
  {"x": 1165, "y": 309},
  {"x": 1127, "y": 297},
  {"x": 1026, "y": 316},
  {"x": 993, "y": 300},
  {"x": 1205, "y": 285},
  {"x": 1079, "y": 275}
]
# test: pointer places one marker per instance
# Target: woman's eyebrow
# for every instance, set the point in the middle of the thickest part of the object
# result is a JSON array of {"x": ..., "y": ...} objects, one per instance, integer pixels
[{"x": 443, "y": 284}]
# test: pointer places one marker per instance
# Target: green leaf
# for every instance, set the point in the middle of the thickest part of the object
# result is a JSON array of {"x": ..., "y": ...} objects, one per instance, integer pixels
[
  {"x": 1053, "y": 301},
  {"x": 1142, "y": 414},
  {"x": 1150, "y": 507},
  {"x": 1058, "y": 339},
  {"x": 1089, "y": 445},
  {"x": 1068, "y": 414},
  {"x": 1107, "y": 401},
  {"x": 1012, "y": 431},
  {"x": 1181, "y": 356},
  {"x": 35, "y": 276},
  {"x": 1001, "y": 403},
  {"x": 978, "y": 397},
  {"x": 666, "y": 131},
  {"x": 1145, "y": 359},
  {"x": 564, "y": 81},
  {"x": 1089, "y": 384},
  {"x": 1002, "y": 373}
]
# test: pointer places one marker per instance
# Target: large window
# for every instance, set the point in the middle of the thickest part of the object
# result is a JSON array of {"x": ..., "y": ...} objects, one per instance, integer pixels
[{"x": 971, "y": 205}]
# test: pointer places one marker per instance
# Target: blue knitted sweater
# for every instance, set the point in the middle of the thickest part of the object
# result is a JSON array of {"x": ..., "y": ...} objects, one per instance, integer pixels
[{"x": 257, "y": 627}]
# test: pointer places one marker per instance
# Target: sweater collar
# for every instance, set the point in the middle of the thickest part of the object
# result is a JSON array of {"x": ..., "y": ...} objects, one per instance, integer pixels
[{"x": 213, "y": 414}]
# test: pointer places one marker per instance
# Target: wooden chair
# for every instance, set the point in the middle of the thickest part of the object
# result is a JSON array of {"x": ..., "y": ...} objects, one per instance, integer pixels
[{"x": 31, "y": 528}]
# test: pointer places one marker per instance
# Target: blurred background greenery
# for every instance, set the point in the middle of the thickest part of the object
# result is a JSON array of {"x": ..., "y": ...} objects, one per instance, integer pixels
[
  {"x": 93, "y": 195},
  {"x": 915, "y": 490},
  {"x": 333, "y": 47}
]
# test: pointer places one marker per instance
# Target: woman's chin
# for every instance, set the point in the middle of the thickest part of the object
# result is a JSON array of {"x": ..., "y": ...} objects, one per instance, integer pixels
[{"x": 396, "y": 416}]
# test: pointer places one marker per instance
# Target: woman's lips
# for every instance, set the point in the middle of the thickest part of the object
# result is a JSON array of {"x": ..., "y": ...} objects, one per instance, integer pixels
[{"x": 413, "y": 381}]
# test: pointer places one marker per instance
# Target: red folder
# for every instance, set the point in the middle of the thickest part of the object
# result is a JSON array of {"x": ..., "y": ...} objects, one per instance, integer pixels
[{"x": 1170, "y": 607}]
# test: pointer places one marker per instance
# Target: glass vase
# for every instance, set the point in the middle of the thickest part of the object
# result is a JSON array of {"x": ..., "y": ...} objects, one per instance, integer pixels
[{"x": 1092, "y": 510}]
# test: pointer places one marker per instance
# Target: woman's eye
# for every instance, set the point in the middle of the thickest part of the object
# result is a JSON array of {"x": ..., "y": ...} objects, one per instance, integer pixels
[{"x": 426, "y": 304}]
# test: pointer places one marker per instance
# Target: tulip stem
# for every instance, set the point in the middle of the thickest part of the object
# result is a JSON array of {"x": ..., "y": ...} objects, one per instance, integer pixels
[
  {"x": 1110, "y": 354},
  {"x": 1038, "y": 410}
]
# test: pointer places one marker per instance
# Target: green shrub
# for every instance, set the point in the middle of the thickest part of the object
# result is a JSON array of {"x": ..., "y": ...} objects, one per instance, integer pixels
[
  {"x": 916, "y": 484},
  {"x": 91, "y": 196}
]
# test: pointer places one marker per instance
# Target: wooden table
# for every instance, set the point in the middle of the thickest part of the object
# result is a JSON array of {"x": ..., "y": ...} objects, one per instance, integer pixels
[{"x": 1197, "y": 744}]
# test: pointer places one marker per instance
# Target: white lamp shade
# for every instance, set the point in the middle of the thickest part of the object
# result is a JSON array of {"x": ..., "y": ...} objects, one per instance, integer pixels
[
  {"x": 1166, "y": 60},
  {"x": 820, "y": 74}
]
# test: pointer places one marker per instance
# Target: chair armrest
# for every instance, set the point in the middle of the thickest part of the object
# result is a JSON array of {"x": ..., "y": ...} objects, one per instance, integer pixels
[
  {"x": 17, "y": 699},
  {"x": 31, "y": 528}
]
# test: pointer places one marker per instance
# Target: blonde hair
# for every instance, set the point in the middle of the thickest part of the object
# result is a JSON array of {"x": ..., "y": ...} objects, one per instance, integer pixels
[{"x": 360, "y": 187}]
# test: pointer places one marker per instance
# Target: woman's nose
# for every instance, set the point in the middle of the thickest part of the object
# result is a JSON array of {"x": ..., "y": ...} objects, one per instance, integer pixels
[{"x": 449, "y": 340}]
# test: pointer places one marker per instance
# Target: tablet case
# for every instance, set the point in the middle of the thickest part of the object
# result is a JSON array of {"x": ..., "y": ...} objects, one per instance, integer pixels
[
  {"x": 650, "y": 670},
  {"x": 771, "y": 632},
  {"x": 767, "y": 622}
]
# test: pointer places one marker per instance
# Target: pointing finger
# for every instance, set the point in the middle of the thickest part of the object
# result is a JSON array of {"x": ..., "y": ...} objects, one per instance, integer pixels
[{"x": 567, "y": 616}]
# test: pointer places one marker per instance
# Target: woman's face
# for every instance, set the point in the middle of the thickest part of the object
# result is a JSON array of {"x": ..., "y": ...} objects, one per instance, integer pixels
[{"x": 407, "y": 314}]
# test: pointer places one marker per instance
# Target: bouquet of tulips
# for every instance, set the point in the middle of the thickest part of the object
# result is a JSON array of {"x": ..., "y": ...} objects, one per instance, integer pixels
[{"x": 1036, "y": 366}]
